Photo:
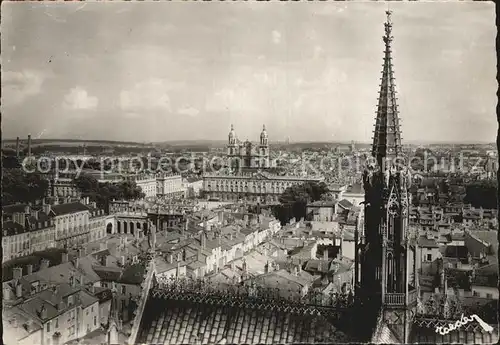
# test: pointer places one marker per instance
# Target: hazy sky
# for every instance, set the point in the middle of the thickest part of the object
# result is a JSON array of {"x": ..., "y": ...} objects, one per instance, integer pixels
[{"x": 171, "y": 71}]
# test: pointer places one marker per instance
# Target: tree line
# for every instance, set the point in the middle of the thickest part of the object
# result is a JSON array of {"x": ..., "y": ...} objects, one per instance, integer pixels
[
  {"x": 102, "y": 193},
  {"x": 294, "y": 200}
]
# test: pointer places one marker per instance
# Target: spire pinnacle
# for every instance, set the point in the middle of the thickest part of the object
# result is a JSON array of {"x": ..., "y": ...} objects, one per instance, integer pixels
[
  {"x": 232, "y": 127},
  {"x": 387, "y": 135},
  {"x": 263, "y": 127}
]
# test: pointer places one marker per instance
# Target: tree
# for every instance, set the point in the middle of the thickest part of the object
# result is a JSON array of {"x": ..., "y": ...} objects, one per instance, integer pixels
[
  {"x": 87, "y": 184},
  {"x": 102, "y": 193},
  {"x": 294, "y": 200},
  {"x": 20, "y": 186},
  {"x": 482, "y": 194}
]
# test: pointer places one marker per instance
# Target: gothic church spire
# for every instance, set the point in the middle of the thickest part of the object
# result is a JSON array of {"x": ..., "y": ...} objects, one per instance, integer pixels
[{"x": 387, "y": 134}]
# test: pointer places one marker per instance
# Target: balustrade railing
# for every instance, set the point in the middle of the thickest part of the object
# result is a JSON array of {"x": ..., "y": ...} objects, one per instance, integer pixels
[
  {"x": 395, "y": 299},
  {"x": 202, "y": 289}
]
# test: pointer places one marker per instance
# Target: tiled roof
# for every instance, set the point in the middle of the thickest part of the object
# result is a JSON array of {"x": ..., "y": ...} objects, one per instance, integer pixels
[
  {"x": 345, "y": 203},
  {"x": 322, "y": 203},
  {"x": 456, "y": 252},
  {"x": 174, "y": 322},
  {"x": 13, "y": 228},
  {"x": 68, "y": 208},
  {"x": 15, "y": 208},
  {"x": 425, "y": 242},
  {"x": 53, "y": 255}
]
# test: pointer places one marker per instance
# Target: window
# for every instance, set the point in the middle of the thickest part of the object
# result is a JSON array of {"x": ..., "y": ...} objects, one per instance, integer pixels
[
  {"x": 476, "y": 294},
  {"x": 95, "y": 320},
  {"x": 48, "y": 326},
  {"x": 92, "y": 309},
  {"x": 57, "y": 323},
  {"x": 429, "y": 257},
  {"x": 489, "y": 295}
]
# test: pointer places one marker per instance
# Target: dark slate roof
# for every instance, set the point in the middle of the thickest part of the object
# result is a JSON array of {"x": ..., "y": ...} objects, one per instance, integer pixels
[
  {"x": 322, "y": 203},
  {"x": 423, "y": 241},
  {"x": 13, "y": 228},
  {"x": 9, "y": 209},
  {"x": 133, "y": 274},
  {"x": 456, "y": 252},
  {"x": 54, "y": 255},
  {"x": 108, "y": 274},
  {"x": 68, "y": 208},
  {"x": 345, "y": 203}
]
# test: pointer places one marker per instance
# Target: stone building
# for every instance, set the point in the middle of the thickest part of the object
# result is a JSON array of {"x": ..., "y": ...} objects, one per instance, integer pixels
[
  {"x": 260, "y": 186},
  {"x": 245, "y": 154}
]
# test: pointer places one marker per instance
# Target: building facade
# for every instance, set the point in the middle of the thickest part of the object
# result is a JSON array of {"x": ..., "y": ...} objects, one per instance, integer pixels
[
  {"x": 63, "y": 187},
  {"x": 147, "y": 184},
  {"x": 170, "y": 186},
  {"x": 247, "y": 154},
  {"x": 258, "y": 187},
  {"x": 26, "y": 230}
]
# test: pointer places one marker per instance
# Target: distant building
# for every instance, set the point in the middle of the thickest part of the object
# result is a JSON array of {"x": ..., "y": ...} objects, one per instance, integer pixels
[
  {"x": 170, "y": 186},
  {"x": 147, "y": 183},
  {"x": 246, "y": 154},
  {"x": 259, "y": 187},
  {"x": 62, "y": 187}
]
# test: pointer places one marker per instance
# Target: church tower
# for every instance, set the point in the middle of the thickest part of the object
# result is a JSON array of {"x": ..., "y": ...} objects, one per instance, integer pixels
[
  {"x": 264, "y": 148},
  {"x": 388, "y": 252},
  {"x": 233, "y": 150}
]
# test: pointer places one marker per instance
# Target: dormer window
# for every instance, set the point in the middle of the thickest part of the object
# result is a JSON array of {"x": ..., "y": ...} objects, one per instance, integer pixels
[{"x": 70, "y": 300}]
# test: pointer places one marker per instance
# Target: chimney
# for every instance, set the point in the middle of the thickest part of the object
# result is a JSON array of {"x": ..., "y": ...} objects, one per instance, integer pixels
[
  {"x": 64, "y": 258},
  {"x": 72, "y": 280},
  {"x": 178, "y": 269},
  {"x": 17, "y": 273},
  {"x": 6, "y": 292},
  {"x": 44, "y": 264},
  {"x": 29, "y": 145},
  {"x": 17, "y": 147},
  {"x": 82, "y": 280},
  {"x": 43, "y": 313},
  {"x": 29, "y": 269},
  {"x": 19, "y": 290},
  {"x": 170, "y": 258},
  {"x": 203, "y": 240},
  {"x": 245, "y": 219},
  {"x": 77, "y": 262},
  {"x": 295, "y": 271},
  {"x": 46, "y": 208},
  {"x": 325, "y": 254},
  {"x": 122, "y": 260},
  {"x": 103, "y": 246}
]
